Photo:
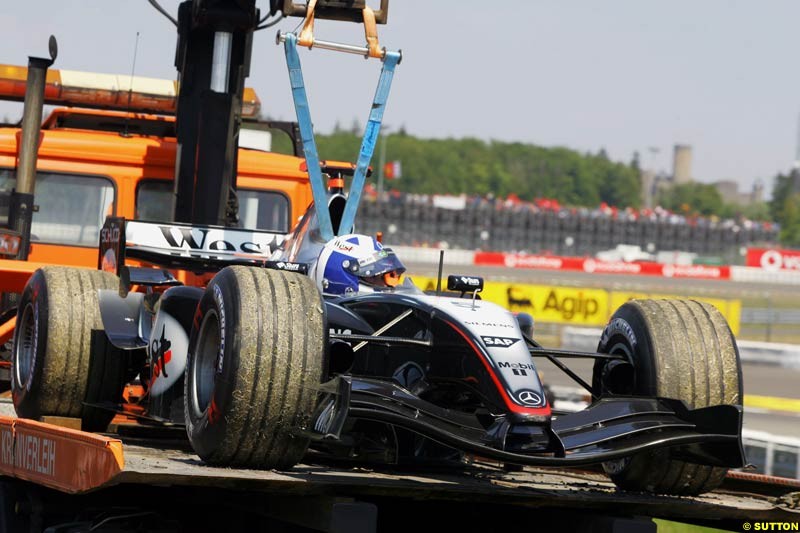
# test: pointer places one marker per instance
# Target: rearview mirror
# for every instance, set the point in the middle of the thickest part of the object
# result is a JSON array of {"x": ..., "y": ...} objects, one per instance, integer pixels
[{"x": 464, "y": 283}]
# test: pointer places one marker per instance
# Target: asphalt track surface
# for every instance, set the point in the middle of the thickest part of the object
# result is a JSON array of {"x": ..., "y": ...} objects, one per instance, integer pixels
[{"x": 759, "y": 380}]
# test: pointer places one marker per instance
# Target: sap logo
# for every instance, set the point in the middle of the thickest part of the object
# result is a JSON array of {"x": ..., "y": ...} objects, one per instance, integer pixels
[{"x": 498, "y": 342}]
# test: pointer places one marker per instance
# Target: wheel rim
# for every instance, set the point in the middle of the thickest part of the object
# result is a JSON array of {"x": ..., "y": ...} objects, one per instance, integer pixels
[
  {"x": 205, "y": 363},
  {"x": 25, "y": 347},
  {"x": 618, "y": 348},
  {"x": 617, "y": 466}
]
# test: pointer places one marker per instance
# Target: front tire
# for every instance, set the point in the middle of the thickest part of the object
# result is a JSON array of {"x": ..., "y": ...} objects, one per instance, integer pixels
[
  {"x": 681, "y": 349},
  {"x": 254, "y": 369},
  {"x": 61, "y": 359}
]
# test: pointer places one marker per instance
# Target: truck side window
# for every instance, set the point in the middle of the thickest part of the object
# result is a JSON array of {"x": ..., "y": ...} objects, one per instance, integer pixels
[
  {"x": 264, "y": 210},
  {"x": 6, "y": 186},
  {"x": 72, "y": 207},
  {"x": 154, "y": 201}
]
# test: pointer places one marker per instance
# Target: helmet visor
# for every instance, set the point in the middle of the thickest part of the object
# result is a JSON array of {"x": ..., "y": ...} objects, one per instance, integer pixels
[{"x": 379, "y": 263}]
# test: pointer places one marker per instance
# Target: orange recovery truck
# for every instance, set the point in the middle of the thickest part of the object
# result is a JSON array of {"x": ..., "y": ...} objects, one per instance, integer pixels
[{"x": 94, "y": 163}]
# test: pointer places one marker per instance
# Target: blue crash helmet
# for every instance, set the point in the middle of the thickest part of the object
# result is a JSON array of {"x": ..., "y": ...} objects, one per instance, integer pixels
[{"x": 354, "y": 263}]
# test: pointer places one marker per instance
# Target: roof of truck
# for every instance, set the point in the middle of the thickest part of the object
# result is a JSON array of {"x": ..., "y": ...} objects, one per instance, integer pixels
[{"x": 91, "y": 135}]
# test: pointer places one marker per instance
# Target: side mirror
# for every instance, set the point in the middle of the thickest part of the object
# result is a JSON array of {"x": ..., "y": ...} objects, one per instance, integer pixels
[{"x": 464, "y": 283}]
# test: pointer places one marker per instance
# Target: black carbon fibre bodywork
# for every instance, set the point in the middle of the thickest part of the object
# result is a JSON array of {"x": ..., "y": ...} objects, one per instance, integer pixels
[{"x": 422, "y": 378}]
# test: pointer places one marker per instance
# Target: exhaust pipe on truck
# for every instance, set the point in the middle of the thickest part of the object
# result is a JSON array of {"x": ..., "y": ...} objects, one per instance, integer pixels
[{"x": 21, "y": 203}]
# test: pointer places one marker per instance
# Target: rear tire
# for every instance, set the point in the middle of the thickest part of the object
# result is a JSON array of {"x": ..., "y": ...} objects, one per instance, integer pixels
[
  {"x": 254, "y": 368},
  {"x": 61, "y": 358},
  {"x": 681, "y": 349}
]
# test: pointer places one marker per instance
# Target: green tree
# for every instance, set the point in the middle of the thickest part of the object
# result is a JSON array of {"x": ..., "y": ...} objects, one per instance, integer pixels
[
  {"x": 474, "y": 166},
  {"x": 785, "y": 207},
  {"x": 693, "y": 198},
  {"x": 757, "y": 211},
  {"x": 790, "y": 221}
]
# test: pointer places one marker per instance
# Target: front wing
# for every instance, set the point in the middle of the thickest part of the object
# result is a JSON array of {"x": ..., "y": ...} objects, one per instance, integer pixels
[{"x": 611, "y": 428}]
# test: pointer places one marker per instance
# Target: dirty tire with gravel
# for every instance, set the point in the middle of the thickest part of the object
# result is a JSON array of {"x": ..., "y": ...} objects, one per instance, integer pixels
[
  {"x": 61, "y": 359},
  {"x": 254, "y": 369},
  {"x": 681, "y": 349}
]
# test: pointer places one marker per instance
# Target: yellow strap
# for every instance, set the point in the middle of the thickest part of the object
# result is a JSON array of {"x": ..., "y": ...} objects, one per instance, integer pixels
[
  {"x": 306, "y": 37},
  {"x": 371, "y": 32}
]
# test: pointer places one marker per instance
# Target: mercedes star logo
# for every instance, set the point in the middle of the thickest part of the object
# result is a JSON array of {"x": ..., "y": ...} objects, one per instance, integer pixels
[{"x": 529, "y": 397}]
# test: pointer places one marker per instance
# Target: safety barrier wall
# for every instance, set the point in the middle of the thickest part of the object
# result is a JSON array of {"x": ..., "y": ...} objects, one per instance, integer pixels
[
  {"x": 411, "y": 254},
  {"x": 592, "y": 266},
  {"x": 759, "y": 275}
]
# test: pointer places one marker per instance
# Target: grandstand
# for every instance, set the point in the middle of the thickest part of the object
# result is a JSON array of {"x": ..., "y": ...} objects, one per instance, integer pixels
[{"x": 544, "y": 226}]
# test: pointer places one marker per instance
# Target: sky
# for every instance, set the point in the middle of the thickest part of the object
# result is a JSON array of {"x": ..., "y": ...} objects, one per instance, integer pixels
[{"x": 623, "y": 75}]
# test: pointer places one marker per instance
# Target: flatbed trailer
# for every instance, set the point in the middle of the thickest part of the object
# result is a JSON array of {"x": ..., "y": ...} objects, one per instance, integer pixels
[{"x": 147, "y": 477}]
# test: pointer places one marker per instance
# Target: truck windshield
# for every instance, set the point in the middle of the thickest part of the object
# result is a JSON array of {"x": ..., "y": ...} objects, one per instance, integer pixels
[
  {"x": 263, "y": 210},
  {"x": 71, "y": 207}
]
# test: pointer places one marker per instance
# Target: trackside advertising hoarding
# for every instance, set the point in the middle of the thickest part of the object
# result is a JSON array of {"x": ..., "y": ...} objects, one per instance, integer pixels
[
  {"x": 575, "y": 306},
  {"x": 773, "y": 259},
  {"x": 596, "y": 266}
]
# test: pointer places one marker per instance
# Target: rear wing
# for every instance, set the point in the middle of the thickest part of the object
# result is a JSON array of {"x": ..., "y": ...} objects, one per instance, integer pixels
[{"x": 187, "y": 247}]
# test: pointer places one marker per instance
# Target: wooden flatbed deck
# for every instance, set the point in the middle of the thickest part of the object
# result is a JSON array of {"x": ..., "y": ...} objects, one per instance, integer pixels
[
  {"x": 98, "y": 462},
  {"x": 532, "y": 487}
]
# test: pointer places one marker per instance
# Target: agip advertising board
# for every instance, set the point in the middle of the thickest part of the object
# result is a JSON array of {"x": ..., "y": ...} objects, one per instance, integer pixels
[{"x": 574, "y": 305}]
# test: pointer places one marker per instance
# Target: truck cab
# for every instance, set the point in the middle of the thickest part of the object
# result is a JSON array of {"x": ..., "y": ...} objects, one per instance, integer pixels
[{"x": 95, "y": 163}]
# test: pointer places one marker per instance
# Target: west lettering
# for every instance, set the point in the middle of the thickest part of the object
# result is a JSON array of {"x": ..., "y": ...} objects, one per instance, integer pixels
[
  {"x": 251, "y": 248},
  {"x": 222, "y": 245},
  {"x": 186, "y": 237}
]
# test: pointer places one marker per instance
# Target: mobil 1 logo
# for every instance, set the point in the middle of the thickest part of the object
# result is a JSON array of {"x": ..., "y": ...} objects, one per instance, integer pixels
[
  {"x": 498, "y": 342},
  {"x": 518, "y": 369}
]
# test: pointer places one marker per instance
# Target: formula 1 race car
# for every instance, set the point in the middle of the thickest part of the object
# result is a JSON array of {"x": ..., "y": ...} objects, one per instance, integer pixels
[{"x": 322, "y": 346}]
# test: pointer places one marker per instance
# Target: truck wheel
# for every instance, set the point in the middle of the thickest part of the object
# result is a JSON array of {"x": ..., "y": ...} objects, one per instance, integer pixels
[
  {"x": 255, "y": 364},
  {"x": 681, "y": 349},
  {"x": 61, "y": 359}
]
